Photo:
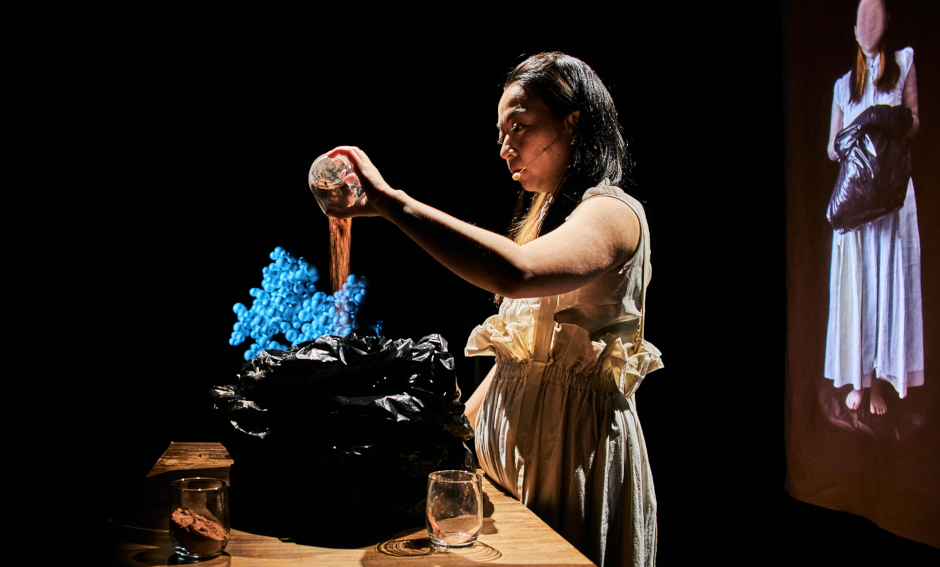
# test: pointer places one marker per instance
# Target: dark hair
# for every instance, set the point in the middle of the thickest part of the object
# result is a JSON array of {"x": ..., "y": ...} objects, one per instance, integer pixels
[
  {"x": 890, "y": 72},
  {"x": 566, "y": 84}
]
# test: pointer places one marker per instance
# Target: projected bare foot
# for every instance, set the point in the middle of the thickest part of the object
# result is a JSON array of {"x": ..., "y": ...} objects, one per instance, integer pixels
[
  {"x": 878, "y": 405},
  {"x": 853, "y": 400}
]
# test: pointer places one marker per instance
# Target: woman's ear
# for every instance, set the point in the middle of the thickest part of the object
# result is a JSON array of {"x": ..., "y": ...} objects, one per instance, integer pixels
[{"x": 572, "y": 121}]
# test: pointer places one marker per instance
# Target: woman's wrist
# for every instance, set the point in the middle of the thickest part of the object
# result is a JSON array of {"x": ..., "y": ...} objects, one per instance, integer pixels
[{"x": 391, "y": 203}]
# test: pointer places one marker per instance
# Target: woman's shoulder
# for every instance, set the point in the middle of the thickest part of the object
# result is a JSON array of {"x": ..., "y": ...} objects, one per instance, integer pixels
[
  {"x": 604, "y": 189},
  {"x": 905, "y": 58}
]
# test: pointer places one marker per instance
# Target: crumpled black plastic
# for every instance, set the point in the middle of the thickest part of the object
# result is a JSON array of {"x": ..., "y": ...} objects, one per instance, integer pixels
[
  {"x": 355, "y": 424},
  {"x": 875, "y": 166}
]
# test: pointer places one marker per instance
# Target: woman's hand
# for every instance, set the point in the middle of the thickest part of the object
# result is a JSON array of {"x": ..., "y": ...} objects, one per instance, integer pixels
[
  {"x": 377, "y": 194},
  {"x": 835, "y": 126}
]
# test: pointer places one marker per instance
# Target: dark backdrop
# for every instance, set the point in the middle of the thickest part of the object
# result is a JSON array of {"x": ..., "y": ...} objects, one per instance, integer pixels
[{"x": 164, "y": 151}]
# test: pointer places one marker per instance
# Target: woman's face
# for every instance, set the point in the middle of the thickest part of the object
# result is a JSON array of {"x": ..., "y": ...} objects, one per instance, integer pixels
[
  {"x": 870, "y": 25},
  {"x": 533, "y": 139}
]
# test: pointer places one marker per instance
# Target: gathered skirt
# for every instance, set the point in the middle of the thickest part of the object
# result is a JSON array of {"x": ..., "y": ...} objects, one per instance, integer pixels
[
  {"x": 588, "y": 473},
  {"x": 875, "y": 320}
]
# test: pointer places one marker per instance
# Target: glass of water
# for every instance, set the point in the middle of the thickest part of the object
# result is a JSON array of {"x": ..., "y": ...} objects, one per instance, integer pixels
[
  {"x": 455, "y": 508},
  {"x": 333, "y": 182}
]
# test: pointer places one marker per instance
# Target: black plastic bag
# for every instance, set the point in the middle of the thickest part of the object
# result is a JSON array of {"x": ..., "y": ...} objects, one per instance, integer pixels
[
  {"x": 875, "y": 166},
  {"x": 341, "y": 428}
]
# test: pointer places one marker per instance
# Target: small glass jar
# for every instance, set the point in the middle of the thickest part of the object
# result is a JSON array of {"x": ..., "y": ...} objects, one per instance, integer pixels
[{"x": 199, "y": 525}]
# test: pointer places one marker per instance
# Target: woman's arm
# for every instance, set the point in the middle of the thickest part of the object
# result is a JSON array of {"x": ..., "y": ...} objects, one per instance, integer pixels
[
  {"x": 835, "y": 126},
  {"x": 910, "y": 100},
  {"x": 601, "y": 234},
  {"x": 472, "y": 407}
]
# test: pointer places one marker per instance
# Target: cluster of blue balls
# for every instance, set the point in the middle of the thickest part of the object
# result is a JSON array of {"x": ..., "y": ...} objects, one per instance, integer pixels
[{"x": 288, "y": 303}]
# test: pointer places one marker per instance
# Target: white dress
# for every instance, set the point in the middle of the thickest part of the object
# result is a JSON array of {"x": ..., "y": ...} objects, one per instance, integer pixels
[
  {"x": 585, "y": 472},
  {"x": 875, "y": 321}
]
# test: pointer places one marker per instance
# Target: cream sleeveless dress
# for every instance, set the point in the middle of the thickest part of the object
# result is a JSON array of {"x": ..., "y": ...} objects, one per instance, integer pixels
[{"x": 558, "y": 427}]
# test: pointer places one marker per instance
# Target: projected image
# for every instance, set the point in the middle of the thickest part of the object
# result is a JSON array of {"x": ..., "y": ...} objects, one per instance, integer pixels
[
  {"x": 863, "y": 312},
  {"x": 874, "y": 340}
]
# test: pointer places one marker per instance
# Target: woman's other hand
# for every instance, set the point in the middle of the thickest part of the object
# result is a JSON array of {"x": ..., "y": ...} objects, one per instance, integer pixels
[
  {"x": 835, "y": 126},
  {"x": 376, "y": 195}
]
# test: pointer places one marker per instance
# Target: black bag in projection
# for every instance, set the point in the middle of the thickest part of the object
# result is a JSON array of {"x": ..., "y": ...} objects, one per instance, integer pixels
[
  {"x": 342, "y": 428},
  {"x": 875, "y": 166}
]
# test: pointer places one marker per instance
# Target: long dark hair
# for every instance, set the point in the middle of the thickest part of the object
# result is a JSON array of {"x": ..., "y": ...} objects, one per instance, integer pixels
[
  {"x": 566, "y": 84},
  {"x": 888, "y": 67}
]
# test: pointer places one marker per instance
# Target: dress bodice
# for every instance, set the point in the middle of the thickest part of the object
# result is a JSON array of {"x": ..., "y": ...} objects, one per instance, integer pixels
[
  {"x": 871, "y": 95},
  {"x": 611, "y": 302},
  {"x": 595, "y": 325}
]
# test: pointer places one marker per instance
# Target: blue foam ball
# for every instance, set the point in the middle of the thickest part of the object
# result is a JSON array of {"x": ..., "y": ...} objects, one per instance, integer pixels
[{"x": 288, "y": 302}]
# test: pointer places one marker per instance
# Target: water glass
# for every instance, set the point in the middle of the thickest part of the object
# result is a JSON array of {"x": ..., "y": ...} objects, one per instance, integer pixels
[
  {"x": 455, "y": 508},
  {"x": 333, "y": 182},
  {"x": 199, "y": 525}
]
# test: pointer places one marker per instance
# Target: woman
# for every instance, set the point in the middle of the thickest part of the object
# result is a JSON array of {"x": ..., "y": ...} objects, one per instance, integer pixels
[
  {"x": 875, "y": 334},
  {"x": 555, "y": 419}
]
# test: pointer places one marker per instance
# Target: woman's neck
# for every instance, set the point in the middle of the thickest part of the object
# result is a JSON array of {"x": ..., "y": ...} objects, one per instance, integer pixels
[{"x": 869, "y": 56}]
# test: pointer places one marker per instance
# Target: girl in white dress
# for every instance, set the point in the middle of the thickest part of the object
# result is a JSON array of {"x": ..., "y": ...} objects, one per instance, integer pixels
[
  {"x": 572, "y": 280},
  {"x": 875, "y": 333}
]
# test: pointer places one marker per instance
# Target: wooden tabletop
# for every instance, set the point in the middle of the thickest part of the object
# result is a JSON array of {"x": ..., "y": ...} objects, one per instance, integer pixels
[{"x": 511, "y": 535}]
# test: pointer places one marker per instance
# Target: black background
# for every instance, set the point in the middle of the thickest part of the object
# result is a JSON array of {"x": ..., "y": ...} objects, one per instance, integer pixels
[{"x": 163, "y": 151}]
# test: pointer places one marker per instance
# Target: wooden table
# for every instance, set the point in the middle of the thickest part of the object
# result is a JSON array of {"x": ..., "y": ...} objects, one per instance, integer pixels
[{"x": 511, "y": 535}]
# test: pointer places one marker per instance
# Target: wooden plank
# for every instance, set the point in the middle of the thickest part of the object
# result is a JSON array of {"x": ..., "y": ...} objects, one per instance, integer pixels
[
  {"x": 511, "y": 535},
  {"x": 192, "y": 456}
]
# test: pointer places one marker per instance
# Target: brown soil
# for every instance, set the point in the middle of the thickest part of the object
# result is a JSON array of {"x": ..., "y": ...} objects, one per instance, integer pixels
[
  {"x": 200, "y": 535},
  {"x": 340, "y": 236}
]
